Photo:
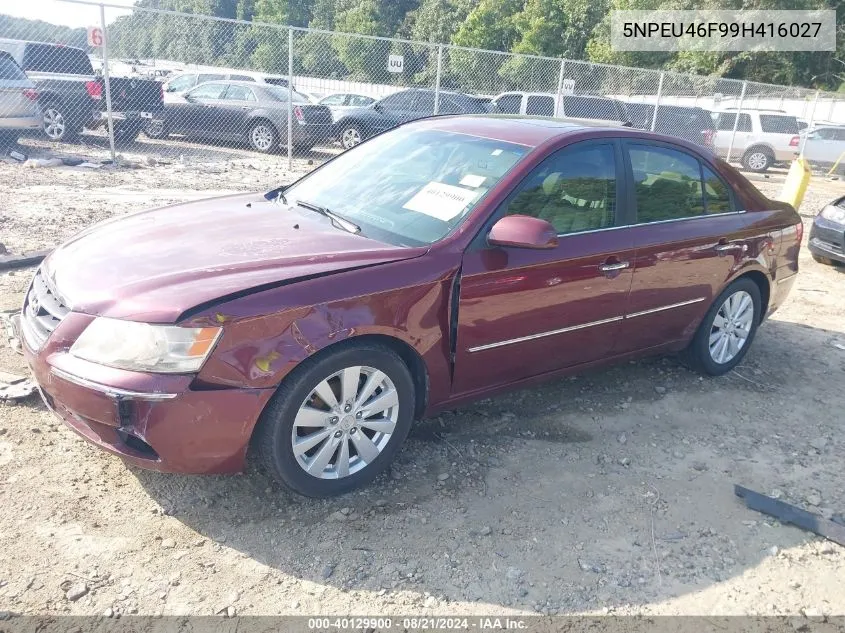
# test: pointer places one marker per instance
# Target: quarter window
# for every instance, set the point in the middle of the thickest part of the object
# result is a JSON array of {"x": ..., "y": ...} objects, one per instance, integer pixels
[
  {"x": 716, "y": 193},
  {"x": 574, "y": 190},
  {"x": 779, "y": 124},
  {"x": 509, "y": 104},
  {"x": 540, "y": 105},
  {"x": 181, "y": 83},
  {"x": 667, "y": 184}
]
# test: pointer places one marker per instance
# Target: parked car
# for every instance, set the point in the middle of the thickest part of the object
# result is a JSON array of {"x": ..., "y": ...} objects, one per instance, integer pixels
[
  {"x": 71, "y": 97},
  {"x": 438, "y": 263},
  {"x": 562, "y": 106},
  {"x": 340, "y": 103},
  {"x": 763, "y": 137},
  {"x": 181, "y": 83},
  {"x": 692, "y": 124},
  {"x": 827, "y": 235},
  {"x": 825, "y": 145},
  {"x": 250, "y": 113},
  {"x": 360, "y": 124},
  {"x": 18, "y": 101}
]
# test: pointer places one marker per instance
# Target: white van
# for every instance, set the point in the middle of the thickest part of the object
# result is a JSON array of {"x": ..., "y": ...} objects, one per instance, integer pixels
[{"x": 599, "y": 109}]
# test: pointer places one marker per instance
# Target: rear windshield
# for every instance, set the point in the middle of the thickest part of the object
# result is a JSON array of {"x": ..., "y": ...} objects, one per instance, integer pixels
[
  {"x": 9, "y": 68},
  {"x": 779, "y": 123},
  {"x": 590, "y": 108},
  {"x": 696, "y": 118},
  {"x": 277, "y": 93},
  {"x": 50, "y": 58}
]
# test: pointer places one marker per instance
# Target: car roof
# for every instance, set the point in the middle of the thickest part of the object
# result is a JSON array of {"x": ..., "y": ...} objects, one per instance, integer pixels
[
  {"x": 756, "y": 110},
  {"x": 530, "y": 131}
]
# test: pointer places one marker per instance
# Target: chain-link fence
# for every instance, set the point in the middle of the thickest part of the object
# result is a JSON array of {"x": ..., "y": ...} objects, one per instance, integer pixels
[{"x": 171, "y": 86}]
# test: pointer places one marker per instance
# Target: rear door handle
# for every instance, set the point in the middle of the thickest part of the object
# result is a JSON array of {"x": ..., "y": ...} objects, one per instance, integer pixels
[
  {"x": 607, "y": 268},
  {"x": 727, "y": 248}
]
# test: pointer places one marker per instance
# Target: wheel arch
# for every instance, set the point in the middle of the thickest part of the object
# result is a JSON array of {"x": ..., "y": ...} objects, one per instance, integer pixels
[
  {"x": 763, "y": 282},
  {"x": 768, "y": 149}
]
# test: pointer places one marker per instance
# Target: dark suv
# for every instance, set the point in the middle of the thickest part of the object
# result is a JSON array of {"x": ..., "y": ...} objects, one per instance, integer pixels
[
  {"x": 691, "y": 124},
  {"x": 72, "y": 96},
  {"x": 401, "y": 107}
]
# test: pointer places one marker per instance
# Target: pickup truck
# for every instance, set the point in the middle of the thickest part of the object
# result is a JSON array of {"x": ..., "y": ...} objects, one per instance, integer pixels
[{"x": 72, "y": 97}]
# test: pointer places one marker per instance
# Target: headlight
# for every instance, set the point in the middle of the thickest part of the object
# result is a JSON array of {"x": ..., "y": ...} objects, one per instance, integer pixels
[
  {"x": 144, "y": 347},
  {"x": 834, "y": 214}
]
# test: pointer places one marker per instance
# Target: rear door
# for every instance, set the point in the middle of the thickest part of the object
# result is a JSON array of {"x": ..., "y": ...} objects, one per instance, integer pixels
[
  {"x": 688, "y": 236},
  {"x": 525, "y": 312},
  {"x": 230, "y": 116},
  {"x": 724, "y": 132},
  {"x": 14, "y": 102}
]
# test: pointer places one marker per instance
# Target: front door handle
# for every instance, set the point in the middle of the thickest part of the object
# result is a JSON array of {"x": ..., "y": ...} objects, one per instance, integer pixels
[{"x": 609, "y": 268}]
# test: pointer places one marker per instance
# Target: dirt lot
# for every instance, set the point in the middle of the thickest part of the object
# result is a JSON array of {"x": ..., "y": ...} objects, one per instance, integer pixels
[{"x": 609, "y": 492}]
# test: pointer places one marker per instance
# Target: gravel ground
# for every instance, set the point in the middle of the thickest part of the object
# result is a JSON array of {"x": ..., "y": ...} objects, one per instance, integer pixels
[{"x": 610, "y": 492}]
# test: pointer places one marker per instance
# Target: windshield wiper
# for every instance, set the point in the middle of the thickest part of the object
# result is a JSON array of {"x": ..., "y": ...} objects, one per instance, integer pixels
[{"x": 341, "y": 221}]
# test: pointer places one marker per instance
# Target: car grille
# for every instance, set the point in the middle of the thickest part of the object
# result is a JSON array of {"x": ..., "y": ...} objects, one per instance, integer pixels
[{"x": 42, "y": 312}]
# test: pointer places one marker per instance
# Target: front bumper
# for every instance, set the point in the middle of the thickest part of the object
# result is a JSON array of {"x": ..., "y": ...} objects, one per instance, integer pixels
[
  {"x": 827, "y": 239},
  {"x": 154, "y": 421}
]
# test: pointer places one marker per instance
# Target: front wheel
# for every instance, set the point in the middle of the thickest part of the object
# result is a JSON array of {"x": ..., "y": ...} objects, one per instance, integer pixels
[
  {"x": 155, "y": 129},
  {"x": 350, "y": 136},
  {"x": 56, "y": 125},
  {"x": 725, "y": 334},
  {"x": 337, "y": 421}
]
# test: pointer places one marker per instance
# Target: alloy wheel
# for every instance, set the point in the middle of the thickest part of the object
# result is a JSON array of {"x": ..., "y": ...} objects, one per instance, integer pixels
[
  {"x": 731, "y": 327},
  {"x": 54, "y": 124},
  {"x": 350, "y": 138},
  {"x": 262, "y": 137},
  {"x": 758, "y": 160},
  {"x": 345, "y": 422}
]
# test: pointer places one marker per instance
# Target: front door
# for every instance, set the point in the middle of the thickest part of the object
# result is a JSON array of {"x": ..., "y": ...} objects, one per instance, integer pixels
[
  {"x": 688, "y": 238},
  {"x": 525, "y": 312},
  {"x": 195, "y": 113}
]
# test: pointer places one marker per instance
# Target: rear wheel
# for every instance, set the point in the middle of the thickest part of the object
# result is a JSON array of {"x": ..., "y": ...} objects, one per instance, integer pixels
[
  {"x": 57, "y": 126},
  {"x": 126, "y": 132},
  {"x": 263, "y": 137},
  {"x": 758, "y": 159},
  {"x": 726, "y": 332},
  {"x": 336, "y": 422},
  {"x": 155, "y": 129}
]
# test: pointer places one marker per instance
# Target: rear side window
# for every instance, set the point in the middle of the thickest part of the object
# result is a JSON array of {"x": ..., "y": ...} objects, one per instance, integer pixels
[
  {"x": 47, "y": 58},
  {"x": 667, "y": 184},
  {"x": 684, "y": 118},
  {"x": 716, "y": 193},
  {"x": 590, "y": 108},
  {"x": 181, "y": 83},
  {"x": 208, "y": 91},
  {"x": 239, "y": 93},
  {"x": 9, "y": 68},
  {"x": 540, "y": 105},
  {"x": 241, "y": 78},
  {"x": 779, "y": 124},
  {"x": 509, "y": 104},
  {"x": 726, "y": 122},
  {"x": 276, "y": 81}
]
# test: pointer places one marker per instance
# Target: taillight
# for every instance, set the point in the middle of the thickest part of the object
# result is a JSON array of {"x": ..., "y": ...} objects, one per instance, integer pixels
[
  {"x": 297, "y": 112},
  {"x": 793, "y": 142},
  {"x": 95, "y": 89},
  {"x": 708, "y": 136},
  {"x": 30, "y": 94},
  {"x": 161, "y": 91},
  {"x": 799, "y": 232}
]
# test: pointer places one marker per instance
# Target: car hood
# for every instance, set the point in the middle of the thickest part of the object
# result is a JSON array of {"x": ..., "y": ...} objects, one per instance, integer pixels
[{"x": 154, "y": 265}]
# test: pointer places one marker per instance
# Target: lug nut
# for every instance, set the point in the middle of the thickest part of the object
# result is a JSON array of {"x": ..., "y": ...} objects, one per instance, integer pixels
[
  {"x": 359, "y": 415},
  {"x": 353, "y": 429},
  {"x": 347, "y": 408},
  {"x": 338, "y": 434},
  {"x": 333, "y": 419}
]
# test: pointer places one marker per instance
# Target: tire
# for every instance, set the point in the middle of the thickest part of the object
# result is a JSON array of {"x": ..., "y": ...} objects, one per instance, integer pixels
[
  {"x": 57, "y": 126},
  {"x": 125, "y": 133},
  {"x": 297, "y": 399},
  {"x": 156, "y": 130},
  {"x": 757, "y": 159},
  {"x": 262, "y": 137},
  {"x": 699, "y": 354},
  {"x": 821, "y": 259},
  {"x": 350, "y": 135}
]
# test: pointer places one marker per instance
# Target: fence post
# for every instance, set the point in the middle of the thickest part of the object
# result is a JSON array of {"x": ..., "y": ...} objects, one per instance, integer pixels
[
  {"x": 106, "y": 82},
  {"x": 657, "y": 103},
  {"x": 736, "y": 121},
  {"x": 437, "y": 78},
  {"x": 559, "y": 111},
  {"x": 290, "y": 98},
  {"x": 809, "y": 124}
]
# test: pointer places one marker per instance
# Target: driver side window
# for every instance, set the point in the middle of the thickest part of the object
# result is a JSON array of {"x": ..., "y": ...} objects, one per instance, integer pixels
[
  {"x": 574, "y": 190},
  {"x": 208, "y": 91}
]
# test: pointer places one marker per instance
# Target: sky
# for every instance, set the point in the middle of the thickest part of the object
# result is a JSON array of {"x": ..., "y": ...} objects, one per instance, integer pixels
[{"x": 63, "y": 13}]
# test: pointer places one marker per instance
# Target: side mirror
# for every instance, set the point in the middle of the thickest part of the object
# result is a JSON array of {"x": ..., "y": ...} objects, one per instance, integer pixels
[{"x": 522, "y": 231}]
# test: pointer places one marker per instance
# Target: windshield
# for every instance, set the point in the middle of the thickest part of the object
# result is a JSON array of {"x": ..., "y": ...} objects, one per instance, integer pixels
[{"x": 409, "y": 187}]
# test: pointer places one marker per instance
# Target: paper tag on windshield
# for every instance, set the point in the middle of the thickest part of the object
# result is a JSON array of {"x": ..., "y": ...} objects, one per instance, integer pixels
[
  {"x": 471, "y": 180},
  {"x": 440, "y": 201}
]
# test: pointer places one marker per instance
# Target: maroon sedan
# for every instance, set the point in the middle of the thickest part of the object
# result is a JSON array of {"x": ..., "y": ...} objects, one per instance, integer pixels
[{"x": 438, "y": 263}]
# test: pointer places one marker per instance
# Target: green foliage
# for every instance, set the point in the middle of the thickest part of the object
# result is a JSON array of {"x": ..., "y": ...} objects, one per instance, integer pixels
[{"x": 38, "y": 30}]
